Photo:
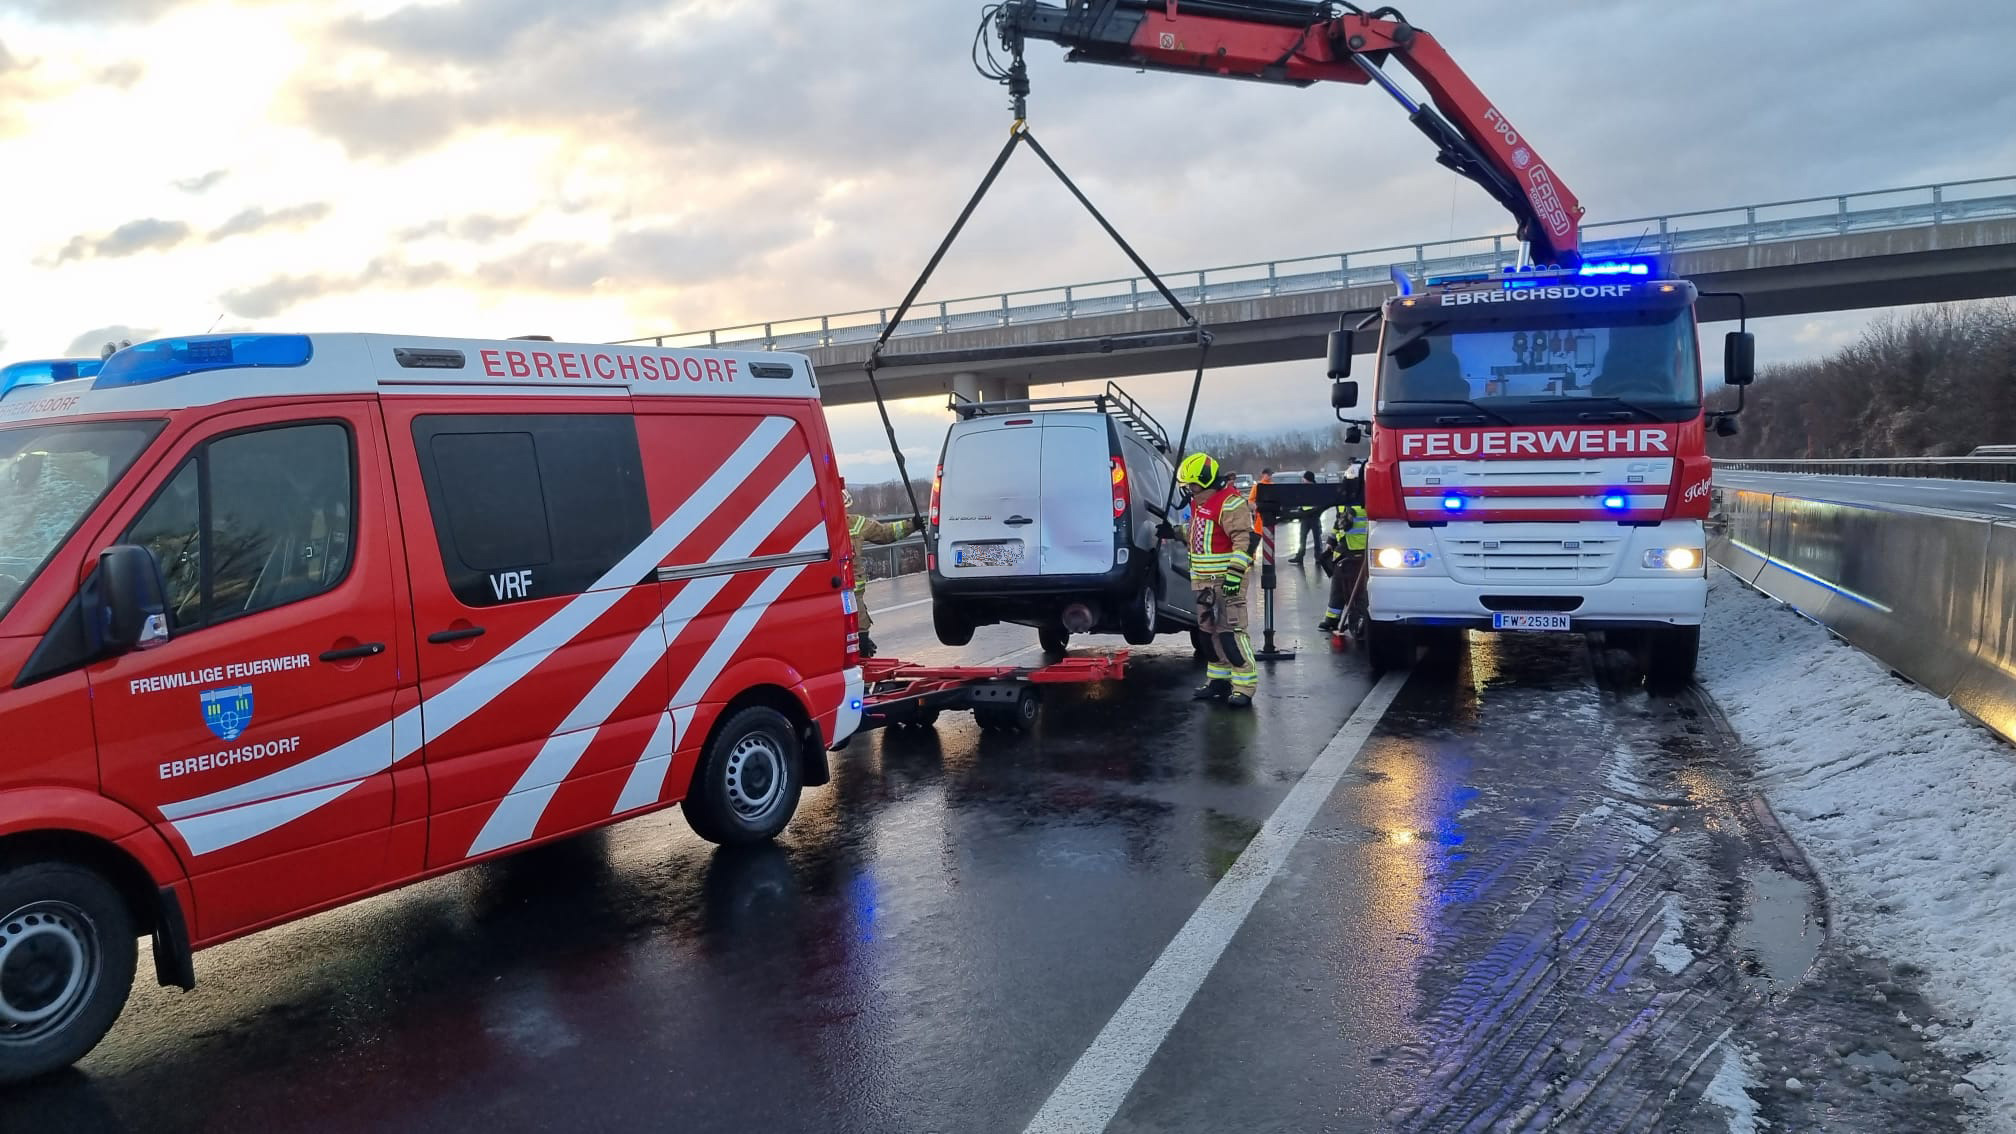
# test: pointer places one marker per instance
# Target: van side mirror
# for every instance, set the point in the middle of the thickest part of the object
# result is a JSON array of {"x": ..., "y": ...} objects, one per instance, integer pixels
[
  {"x": 1340, "y": 355},
  {"x": 132, "y": 599},
  {"x": 1343, "y": 395},
  {"x": 1739, "y": 358}
]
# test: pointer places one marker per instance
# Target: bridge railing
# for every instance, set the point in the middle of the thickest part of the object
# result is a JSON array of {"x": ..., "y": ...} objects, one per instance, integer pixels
[
  {"x": 1947, "y": 468},
  {"x": 1762, "y": 223}
]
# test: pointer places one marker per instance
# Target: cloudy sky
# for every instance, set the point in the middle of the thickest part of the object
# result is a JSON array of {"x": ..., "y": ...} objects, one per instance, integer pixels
[{"x": 603, "y": 169}]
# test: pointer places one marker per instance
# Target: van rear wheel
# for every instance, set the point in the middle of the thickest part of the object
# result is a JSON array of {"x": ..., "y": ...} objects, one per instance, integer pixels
[
  {"x": 1137, "y": 621},
  {"x": 952, "y": 625},
  {"x": 67, "y": 951},
  {"x": 748, "y": 781},
  {"x": 1054, "y": 640}
]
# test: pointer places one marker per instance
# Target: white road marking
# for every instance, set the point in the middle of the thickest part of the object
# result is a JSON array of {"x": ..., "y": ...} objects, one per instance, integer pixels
[
  {"x": 1092, "y": 1091},
  {"x": 902, "y": 606}
]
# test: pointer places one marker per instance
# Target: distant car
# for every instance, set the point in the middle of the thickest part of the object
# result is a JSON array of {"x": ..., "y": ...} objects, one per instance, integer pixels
[
  {"x": 1044, "y": 513},
  {"x": 1993, "y": 451},
  {"x": 1243, "y": 482}
]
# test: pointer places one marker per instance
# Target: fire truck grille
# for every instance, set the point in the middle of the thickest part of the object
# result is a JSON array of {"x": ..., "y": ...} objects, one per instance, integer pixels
[{"x": 1581, "y": 560}]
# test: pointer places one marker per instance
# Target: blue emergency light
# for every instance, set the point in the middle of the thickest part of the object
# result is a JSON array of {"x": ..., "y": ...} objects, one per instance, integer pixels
[
  {"x": 43, "y": 371},
  {"x": 1628, "y": 267},
  {"x": 1615, "y": 502},
  {"x": 162, "y": 359},
  {"x": 1453, "y": 503}
]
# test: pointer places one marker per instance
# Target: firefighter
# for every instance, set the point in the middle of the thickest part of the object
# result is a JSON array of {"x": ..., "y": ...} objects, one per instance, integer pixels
[
  {"x": 1223, "y": 538},
  {"x": 864, "y": 530},
  {"x": 1346, "y": 555}
]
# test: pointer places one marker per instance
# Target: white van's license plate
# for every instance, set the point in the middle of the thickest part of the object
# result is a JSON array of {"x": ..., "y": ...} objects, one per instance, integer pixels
[
  {"x": 1529, "y": 622},
  {"x": 987, "y": 554}
]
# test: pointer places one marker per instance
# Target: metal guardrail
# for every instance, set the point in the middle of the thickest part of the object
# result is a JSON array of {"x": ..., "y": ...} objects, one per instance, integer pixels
[
  {"x": 1701, "y": 229},
  {"x": 2001, "y": 469},
  {"x": 1926, "y": 592}
]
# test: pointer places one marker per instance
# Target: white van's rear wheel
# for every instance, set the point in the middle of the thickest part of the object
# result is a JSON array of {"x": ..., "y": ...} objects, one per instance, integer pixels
[
  {"x": 66, "y": 965},
  {"x": 1137, "y": 621},
  {"x": 953, "y": 627},
  {"x": 1054, "y": 640}
]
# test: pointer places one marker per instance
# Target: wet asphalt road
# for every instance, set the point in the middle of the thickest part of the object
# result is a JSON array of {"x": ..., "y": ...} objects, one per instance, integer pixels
[{"x": 1469, "y": 929}]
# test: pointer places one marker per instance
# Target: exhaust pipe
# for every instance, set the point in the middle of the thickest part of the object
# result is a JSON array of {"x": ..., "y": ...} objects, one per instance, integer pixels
[{"x": 1078, "y": 618}]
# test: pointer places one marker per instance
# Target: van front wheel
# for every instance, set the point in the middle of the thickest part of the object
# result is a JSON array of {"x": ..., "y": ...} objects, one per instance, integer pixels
[
  {"x": 66, "y": 965},
  {"x": 748, "y": 781}
]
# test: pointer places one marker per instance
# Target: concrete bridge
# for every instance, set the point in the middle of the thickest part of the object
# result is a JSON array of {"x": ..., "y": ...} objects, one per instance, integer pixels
[{"x": 1923, "y": 244}]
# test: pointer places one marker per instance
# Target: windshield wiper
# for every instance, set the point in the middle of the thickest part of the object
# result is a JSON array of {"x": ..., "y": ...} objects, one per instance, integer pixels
[
  {"x": 1631, "y": 407},
  {"x": 1480, "y": 411}
]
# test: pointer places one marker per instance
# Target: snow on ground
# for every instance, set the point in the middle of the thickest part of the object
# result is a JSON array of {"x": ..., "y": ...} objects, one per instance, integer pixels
[
  {"x": 1906, "y": 806},
  {"x": 1727, "y": 1090}
]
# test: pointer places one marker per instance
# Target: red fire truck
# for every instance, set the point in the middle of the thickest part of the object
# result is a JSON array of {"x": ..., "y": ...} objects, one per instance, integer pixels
[
  {"x": 1539, "y": 459},
  {"x": 289, "y": 620}
]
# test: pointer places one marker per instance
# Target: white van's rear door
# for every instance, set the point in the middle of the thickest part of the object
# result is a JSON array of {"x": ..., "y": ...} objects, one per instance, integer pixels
[
  {"x": 1077, "y": 519},
  {"x": 990, "y": 504}
]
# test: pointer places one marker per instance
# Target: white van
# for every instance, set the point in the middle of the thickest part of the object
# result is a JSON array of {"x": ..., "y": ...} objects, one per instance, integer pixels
[{"x": 1044, "y": 513}]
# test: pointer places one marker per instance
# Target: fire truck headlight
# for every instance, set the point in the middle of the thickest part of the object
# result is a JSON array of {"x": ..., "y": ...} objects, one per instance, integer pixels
[
  {"x": 1673, "y": 559},
  {"x": 1398, "y": 558}
]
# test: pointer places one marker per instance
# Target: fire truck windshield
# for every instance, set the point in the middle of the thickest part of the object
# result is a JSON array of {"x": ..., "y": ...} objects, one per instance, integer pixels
[
  {"x": 1539, "y": 368},
  {"x": 51, "y": 476}
]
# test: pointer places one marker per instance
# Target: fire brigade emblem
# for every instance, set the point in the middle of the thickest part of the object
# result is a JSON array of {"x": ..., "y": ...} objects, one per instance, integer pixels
[{"x": 227, "y": 712}]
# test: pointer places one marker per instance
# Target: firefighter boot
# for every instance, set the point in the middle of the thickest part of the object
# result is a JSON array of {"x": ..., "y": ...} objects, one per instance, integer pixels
[
  {"x": 1216, "y": 689},
  {"x": 1329, "y": 622},
  {"x": 1239, "y": 701},
  {"x": 867, "y": 646}
]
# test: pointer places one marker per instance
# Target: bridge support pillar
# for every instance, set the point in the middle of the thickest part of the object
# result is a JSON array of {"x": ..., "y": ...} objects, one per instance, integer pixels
[
  {"x": 1012, "y": 391},
  {"x": 967, "y": 386}
]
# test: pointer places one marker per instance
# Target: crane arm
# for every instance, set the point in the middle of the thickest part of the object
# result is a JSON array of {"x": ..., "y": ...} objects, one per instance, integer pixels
[{"x": 1299, "y": 42}]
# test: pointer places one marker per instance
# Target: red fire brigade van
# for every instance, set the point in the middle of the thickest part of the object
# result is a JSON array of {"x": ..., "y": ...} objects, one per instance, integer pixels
[{"x": 288, "y": 620}]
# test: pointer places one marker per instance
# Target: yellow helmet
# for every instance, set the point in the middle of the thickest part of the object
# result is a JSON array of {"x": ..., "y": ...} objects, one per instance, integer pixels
[{"x": 1197, "y": 469}]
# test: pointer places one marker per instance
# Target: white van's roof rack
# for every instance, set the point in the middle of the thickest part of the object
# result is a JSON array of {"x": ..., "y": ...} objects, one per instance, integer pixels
[{"x": 1114, "y": 403}]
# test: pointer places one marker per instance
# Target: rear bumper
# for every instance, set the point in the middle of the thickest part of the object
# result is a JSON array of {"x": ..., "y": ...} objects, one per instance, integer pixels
[
  {"x": 1119, "y": 580},
  {"x": 1619, "y": 603}
]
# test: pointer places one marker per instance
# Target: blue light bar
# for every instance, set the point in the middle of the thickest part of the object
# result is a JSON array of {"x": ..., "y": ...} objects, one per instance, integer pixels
[
  {"x": 1453, "y": 503},
  {"x": 1615, "y": 502},
  {"x": 43, "y": 371},
  {"x": 1617, "y": 268},
  {"x": 163, "y": 359}
]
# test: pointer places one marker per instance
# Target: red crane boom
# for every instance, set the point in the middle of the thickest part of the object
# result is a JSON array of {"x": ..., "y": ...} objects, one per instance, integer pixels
[{"x": 1300, "y": 42}]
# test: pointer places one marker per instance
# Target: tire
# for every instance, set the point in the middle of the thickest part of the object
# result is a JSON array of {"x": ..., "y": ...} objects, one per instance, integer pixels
[
  {"x": 1137, "y": 621},
  {"x": 67, "y": 950},
  {"x": 1200, "y": 646},
  {"x": 1391, "y": 645},
  {"x": 748, "y": 780},
  {"x": 1018, "y": 715},
  {"x": 1054, "y": 640},
  {"x": 953, "y": 627},
  {"x": 1670, "y": 665}
]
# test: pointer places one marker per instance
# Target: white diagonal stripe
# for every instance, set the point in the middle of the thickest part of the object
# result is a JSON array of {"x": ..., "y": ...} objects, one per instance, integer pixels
[
  {"x": 350, "y": 762},
  {"x": 647, "y": 778},
  {"x": 516, "y": 816}
]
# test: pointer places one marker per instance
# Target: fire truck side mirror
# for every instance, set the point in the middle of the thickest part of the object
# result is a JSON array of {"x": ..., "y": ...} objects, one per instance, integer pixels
[
  {"x": 1725, "y": 427},
  {"x": 1343, "y": 395},
  {"x": 132, "y": 599},
  {"x": 1739, "y": 358},
  {"x": 1340, "y": 355},
  {"x": 1354, "y": 436}
]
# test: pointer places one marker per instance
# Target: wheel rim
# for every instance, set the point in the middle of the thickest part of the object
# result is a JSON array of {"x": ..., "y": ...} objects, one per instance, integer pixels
[
  {"x": 756, "y": 777},
  {"x": 48, "y": 962},
  {"x": 1148, "y": 607}
]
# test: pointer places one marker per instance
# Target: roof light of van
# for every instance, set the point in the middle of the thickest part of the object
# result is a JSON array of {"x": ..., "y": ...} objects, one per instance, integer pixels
[
  {"x": 43, "y": 371},
  {"x": 162, "y": 359}
]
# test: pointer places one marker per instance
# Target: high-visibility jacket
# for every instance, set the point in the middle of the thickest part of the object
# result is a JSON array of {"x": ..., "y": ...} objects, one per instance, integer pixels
[
  {"x": 864, "y": 530},
  {"x": 1222, "y": 535},
  {"x": 1350, "y": 527}
]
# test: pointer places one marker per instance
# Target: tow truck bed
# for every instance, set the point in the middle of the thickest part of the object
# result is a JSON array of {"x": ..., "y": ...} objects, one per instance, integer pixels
[{"x": 1000, "y": 696}]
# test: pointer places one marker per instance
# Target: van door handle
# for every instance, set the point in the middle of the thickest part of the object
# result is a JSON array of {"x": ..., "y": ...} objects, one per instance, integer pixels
[
  {"x": 440, "y": 637},
  {"x": 1017, "y": 521},
  {"x": 367, "y": 650}
]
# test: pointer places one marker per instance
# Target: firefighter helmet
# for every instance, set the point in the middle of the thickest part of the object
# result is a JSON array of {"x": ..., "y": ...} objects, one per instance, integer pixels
[{"x": 1197, "y": 469}]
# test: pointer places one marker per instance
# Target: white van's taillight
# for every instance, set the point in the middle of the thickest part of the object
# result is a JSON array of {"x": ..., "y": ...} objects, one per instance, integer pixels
[
  {"x": 1120, "y": 489},
  {"x": 851, "y": 621},
  {"x": 937, "y": 489}
]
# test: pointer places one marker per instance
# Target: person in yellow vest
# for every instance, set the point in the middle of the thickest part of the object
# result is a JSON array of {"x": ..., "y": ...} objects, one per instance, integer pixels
[
  {"x": 864, "y": 530},
  {"x": 1223, "y": 537},
  {"x": 1346, "y": 555}
]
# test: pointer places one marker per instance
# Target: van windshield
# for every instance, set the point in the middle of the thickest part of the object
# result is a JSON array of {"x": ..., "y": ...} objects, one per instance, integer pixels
[{"x": 51, "y": 476}]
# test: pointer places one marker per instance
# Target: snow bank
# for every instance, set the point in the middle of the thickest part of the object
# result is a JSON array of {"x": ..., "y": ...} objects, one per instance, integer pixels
[{"x": 1906, "y": 806}]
